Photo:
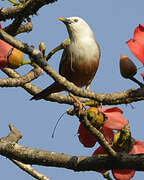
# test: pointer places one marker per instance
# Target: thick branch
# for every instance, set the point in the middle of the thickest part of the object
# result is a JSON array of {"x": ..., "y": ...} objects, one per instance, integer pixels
[
  {"x": 30, "y": 7},
  {"x": 13, "y": 137},
  {"x": 76, "y": 163},
  {"x": 10, "y": 149}
]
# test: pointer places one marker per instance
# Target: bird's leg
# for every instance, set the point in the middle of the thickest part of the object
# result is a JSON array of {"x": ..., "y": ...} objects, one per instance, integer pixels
[{"x": 79, "y": 104}]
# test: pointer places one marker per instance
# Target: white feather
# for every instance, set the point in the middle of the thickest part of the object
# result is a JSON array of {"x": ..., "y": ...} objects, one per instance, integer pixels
[{"x": 82, "y": 38}]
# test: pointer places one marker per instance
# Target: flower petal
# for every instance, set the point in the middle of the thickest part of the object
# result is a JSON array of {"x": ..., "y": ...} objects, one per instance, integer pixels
[
  {"x": 99, "y": 150},
  {"x": 5, "y": 50},
  {"x": 138, "y": 148},
  {"x": 108, "y": 134},
  {"x": 139, "y": 34},
  {"x": 136, "y": 44},
  {"x": 115, "y": 118},
  {"x": 127, "y": 174},
  {"x": 137, "y": 49},
  {"x": 111, "y": 109},
  {"x": 3, "y": 62},
  {"x": 85, "y": 137},
  {"x": 123, "y": 174},
  {"x": 115, "y": 121}
]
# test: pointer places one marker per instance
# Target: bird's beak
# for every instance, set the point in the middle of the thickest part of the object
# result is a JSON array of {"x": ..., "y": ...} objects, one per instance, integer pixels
[{"x": 65, "y": 20}]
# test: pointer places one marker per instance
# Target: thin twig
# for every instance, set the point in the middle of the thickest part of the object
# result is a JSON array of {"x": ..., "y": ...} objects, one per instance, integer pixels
[{"x": 28, "y": 168}]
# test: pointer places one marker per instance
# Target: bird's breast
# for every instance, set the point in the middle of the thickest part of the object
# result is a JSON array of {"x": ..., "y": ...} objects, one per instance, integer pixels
[{"x": 79, "y": 65}]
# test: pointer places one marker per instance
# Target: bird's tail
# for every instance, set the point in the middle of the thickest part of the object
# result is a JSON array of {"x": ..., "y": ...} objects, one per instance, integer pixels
[{"x": 53, "y": 88}]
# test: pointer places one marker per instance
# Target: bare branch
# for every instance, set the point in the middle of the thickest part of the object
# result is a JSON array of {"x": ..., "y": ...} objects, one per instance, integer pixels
[
  {"x": 24, "y": 10},
  {"x": 19, "y": 81},
  {"x": 16, "y": 27},
  {"x": 76, "y": 163},
  {"x": 28, "y": 168},
  {"x": 14, "y": 135},
  {"x": 32, "y": 89},
  {"x": 10, "y": 149},
  {"x": 12, "y": 73}
]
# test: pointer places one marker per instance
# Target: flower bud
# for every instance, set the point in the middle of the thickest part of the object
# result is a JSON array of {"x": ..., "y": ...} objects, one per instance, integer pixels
[
  {"x": 15, "y": 59},
  {"x": 127, "y": 68},
  {"x": 42, "y": 47},
  {"x": 95, "y": 116}
]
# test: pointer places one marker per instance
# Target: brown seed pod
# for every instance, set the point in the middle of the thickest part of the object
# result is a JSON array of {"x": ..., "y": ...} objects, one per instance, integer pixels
[{"x": 127, "y": 68}]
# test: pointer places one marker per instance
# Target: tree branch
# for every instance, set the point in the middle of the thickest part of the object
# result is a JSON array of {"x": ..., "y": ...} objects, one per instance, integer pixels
[
  {"x": 19, "y": 81},
  {"x": 16, "y": 27},
  {"x": 32, "y": 89},
  {"x": 29, "y": 7},
  {"x": 13, "y": 137},
  {"x": 77, "y": 163},
  {"x": 28, "y": 168},
  {"x": 10, "y": 149},
  {"x": 124, "y": 97}
]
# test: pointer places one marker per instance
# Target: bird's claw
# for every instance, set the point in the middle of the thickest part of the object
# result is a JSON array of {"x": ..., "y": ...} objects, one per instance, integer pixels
[{"x": 78, "y": 105}]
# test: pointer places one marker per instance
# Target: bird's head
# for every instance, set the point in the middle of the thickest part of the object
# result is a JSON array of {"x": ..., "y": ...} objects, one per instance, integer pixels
[{"x": 77, "y": 27}]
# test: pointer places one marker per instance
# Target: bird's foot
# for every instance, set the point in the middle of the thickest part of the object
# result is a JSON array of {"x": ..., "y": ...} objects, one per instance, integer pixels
[{"x": 79, "y": 105}]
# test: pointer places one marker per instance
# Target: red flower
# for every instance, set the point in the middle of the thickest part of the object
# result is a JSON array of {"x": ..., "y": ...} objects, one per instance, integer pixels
[
  {"x": 85, "y": 137},
  {"x": 5, "y": 50},
  {"x": 114, "y": 120},
  {"x": 9, "y": 56},
  {"x": 123, "y": 174},
  {"x": 136, "y": 44}
]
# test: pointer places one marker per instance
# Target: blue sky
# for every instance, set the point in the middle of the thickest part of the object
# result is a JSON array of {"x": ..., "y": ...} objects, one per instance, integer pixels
[{"x": 113, "y": 23}]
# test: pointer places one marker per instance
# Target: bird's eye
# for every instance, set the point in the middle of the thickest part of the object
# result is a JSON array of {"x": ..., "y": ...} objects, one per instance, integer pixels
[{"x": 75, "y": 20}]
